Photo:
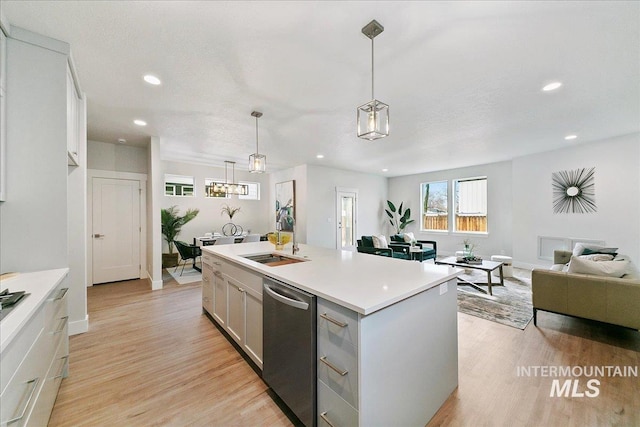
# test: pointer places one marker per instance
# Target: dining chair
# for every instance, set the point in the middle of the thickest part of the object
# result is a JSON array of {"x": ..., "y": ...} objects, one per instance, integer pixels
[
  {"x": 251, "y": 238},
  {"x": 226, "y": 240}
]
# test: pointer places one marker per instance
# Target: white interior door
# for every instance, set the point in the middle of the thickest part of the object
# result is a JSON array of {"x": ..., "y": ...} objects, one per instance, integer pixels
[
  {"x": 347, "y": 214},
  {"x": 116, "y": 230}
]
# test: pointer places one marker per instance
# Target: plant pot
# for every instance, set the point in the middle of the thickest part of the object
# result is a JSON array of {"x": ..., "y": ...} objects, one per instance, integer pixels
[{"x": 169, "y": 260}]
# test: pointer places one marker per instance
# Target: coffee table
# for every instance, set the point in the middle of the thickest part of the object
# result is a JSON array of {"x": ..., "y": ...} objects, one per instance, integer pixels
[{"x": 487, "y": 266}]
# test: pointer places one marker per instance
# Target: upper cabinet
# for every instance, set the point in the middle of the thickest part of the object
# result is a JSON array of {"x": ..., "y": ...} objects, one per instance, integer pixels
[
  {"x": 3, "y": 113},
  {"x": 76, "y": 119}
]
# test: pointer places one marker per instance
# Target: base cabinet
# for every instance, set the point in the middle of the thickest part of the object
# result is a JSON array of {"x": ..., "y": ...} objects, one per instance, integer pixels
[
  {"x": 35, "y": 363},
  {"x": 237, "y": 304}
]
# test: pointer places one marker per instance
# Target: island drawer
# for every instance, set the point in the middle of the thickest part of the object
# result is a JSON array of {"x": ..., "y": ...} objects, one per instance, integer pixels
[
  {"x": 341, "y": 323},
  {"x": 338, "y": 366},
  {"x": 333, "y": 410},
  {"x": 207, "y": 259}
]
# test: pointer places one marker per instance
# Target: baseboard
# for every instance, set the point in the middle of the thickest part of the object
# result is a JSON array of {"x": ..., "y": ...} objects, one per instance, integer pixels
[
  {"x": 155, "y": 284},
  {"x": 79, "y": 326}
]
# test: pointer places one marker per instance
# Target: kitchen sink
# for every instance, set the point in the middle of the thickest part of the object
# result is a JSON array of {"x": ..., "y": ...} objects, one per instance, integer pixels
[{"x": 273, "y": 260}]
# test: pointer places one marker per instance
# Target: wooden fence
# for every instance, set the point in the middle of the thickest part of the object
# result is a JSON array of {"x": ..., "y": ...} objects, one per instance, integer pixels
[{"x": 463, "y": 223}]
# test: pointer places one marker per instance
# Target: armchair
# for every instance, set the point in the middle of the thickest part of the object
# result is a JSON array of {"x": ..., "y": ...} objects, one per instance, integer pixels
[
  {"x": 428, "y": 252},
  {"x": 365, "y": 245},
  {"x": 187, "y": 252}
]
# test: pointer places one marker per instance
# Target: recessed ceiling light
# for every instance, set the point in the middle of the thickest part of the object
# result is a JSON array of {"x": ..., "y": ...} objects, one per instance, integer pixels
[
  {"x": 570, "y": 137},
  {"x": 552, "y": 86},
  {"x": 122, "y": 141},
  {"x": 320, "y": 156},
  {"x": 152, "y": 80},
  {"x": 385, "y": 170},
  {"x": 140, "y": 122}
]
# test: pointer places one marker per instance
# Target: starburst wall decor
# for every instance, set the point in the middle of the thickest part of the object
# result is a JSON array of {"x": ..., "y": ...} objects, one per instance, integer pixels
[{"x": 574, "y": 191}]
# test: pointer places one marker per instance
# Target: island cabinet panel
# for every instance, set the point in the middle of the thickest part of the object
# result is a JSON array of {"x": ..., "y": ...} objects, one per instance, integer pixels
[
  {"x": 35, "y": 360},
  {"x": 207, "y": 285},
  {"x": 236, "y": 295}
]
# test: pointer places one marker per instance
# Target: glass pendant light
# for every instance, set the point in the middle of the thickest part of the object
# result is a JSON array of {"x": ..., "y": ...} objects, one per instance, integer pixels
[
  {"x": 257, "y": 161},
  {"x": 373, "y": 117}
]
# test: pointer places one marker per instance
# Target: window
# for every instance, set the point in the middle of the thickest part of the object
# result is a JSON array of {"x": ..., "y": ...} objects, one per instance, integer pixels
[
  {"x": 207, "y": 183},
  {"x": 254, "y": 191},
  {"x": 470, "y": 212},
  {"x": 435, "y": 203},
  {"x": 178, "y": 185}
]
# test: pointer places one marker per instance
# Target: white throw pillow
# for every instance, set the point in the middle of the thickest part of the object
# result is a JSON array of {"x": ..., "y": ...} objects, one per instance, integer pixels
[
  {"x": 598, "y": 268},
  {"x": 408, "y": 238},
  {"x": 380, "y": 242},
  {"x": 580, "y": 247}
]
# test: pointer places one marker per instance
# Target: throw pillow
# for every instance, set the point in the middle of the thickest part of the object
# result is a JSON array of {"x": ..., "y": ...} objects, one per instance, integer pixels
[
  {"x": 597, "y": 257},
  {"x": 408, "y": 238},
  {"x": 612, "y": 251},
  {"x": 380, "y": 242},
  {"x": 579, "y": 248},
  {"x": 598, "y": 268}
]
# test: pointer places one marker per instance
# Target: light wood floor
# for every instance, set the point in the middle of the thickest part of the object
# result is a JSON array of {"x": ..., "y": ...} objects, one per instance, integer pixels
[{"x": 151, "y": 358}]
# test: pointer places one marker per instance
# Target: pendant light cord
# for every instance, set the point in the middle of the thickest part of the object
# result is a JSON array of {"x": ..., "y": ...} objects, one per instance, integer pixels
[
  {"x": 257, "y": 151},
  {"x": 372, "y": 74}
]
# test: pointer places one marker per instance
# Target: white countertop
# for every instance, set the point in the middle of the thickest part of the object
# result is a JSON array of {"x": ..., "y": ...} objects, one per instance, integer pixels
[
  {"x": 38, "y": 285},
  {"x": 361, "y": 282}
]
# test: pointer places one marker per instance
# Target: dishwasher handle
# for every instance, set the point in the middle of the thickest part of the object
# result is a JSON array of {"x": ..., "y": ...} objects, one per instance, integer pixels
[{"x": 285, "y": 300}]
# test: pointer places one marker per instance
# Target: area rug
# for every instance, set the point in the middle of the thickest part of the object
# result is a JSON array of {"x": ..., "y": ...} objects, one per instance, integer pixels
[
  {"x": 189, "y": 275},
  {"x": 509, "y": 305}
]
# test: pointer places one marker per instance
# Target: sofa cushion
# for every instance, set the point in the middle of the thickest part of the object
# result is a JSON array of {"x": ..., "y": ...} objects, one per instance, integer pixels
[
  {"x": 608, "y": 251},
  {"x": 380, "y": 242},
  {"x": 408, "y": 237},
  {"x": 367, "y": 241},
  {"x": 579, "y": 247},
  {"x": 598, "y": 268},
  {"x": 597, "y": 257}
]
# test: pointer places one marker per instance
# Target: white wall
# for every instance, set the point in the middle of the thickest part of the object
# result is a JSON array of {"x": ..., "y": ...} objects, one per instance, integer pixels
[
  {"x": 499, "y": 214},
  {"x": 321, "y": 207},
  {"x": 117, "y": 157},
  {"x": 617, "y": 193},
  {"x": 253, "y": 213}
]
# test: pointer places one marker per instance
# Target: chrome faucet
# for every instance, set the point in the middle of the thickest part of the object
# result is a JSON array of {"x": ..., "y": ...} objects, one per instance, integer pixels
[{"x": 294, "y": 247}]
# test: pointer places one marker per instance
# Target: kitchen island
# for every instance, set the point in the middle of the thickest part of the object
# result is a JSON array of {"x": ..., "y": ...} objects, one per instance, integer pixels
[{"x": 386, "y": 328}]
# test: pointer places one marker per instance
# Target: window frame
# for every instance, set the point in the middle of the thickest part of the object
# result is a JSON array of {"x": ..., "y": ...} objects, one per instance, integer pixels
[
  {"x": 454, "y": 201},
  {"x": 422, "y": 211},
  {"x": 178, "y": 186}
]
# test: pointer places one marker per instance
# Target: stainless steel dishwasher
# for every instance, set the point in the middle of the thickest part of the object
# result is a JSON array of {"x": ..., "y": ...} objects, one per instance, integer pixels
[{"x": 289, "y": 347}]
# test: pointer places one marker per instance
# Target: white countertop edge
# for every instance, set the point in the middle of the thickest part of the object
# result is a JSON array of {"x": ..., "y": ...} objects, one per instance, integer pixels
[
  {"x": 38, "y": 285},
  {"x": 272, "y": 272}
]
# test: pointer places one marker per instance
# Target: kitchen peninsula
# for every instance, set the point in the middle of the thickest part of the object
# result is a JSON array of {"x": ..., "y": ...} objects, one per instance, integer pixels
[{"x": 386, "y": 328}]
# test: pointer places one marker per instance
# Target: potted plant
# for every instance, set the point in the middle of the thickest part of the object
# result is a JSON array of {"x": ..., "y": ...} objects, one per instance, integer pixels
[
  {"x": 172, "y": 224},
  {"x": 397, "y": 218}
]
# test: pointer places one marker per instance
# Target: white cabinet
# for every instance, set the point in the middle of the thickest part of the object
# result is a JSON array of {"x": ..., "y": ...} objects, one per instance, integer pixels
[
  {"x": 75, "y": 112},
  {"x": 35, "y": 361},
  {"x": 3, "y": 114},
  {"x": 207, "y": 285},
  {"x": 237, "y": 304}
]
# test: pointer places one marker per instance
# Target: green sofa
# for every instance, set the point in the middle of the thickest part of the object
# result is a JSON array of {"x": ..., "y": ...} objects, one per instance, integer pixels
[
  {"x": 605, "y": 299},
  {"x": 365, "y": 246}
]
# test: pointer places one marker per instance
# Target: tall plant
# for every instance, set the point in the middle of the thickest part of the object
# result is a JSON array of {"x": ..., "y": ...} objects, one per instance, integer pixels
[
  {"x": 172, "y": 223},
  {"x": 397, "y": 218}
]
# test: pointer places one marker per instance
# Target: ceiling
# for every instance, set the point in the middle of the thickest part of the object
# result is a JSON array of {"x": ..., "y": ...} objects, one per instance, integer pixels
[{"x": 463, "y": 79}]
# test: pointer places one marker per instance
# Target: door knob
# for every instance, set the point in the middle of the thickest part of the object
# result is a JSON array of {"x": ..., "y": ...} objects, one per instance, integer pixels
[{"x": 97, "y": 236}]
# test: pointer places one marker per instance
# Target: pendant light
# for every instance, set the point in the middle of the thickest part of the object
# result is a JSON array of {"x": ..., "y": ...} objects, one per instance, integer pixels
[
  {"x": 226, "y": 188},
  {"x": 257, "y": 161},
  {"x": 373, "y": 117}
]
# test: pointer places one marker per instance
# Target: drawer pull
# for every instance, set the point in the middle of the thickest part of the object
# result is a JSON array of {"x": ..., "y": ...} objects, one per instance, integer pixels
[
  {"x": 63, "y": 322},
  {"x": 219, "y": 264},
  {"x": 326, "y": 419},
  {"x": 218, "y": 274},
  {"x": 64, "y": 362},
  {"x": 34, "y": 385},
  {"x": 334, "y": 321},
  {"x": 61, "y": 293},
  {"x": 205, "y": 279},
  {"x": 324, "y": 360}
]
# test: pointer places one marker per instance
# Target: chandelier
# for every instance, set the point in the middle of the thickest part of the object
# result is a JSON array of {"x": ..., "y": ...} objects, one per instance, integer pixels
[{"x": 226, "y": 188}]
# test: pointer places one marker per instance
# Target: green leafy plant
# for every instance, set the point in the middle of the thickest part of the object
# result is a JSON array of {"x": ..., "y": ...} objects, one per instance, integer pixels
[
  {"x": 172, "y": 223},
  {"x": 226, "y": 209},
  {"x": 397, "y": 218}
]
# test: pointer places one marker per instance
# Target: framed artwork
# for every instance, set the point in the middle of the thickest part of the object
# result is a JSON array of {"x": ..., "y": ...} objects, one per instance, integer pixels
[
  {"x": 574, "y": 191},
  {"x": 285, "y": 205}
]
